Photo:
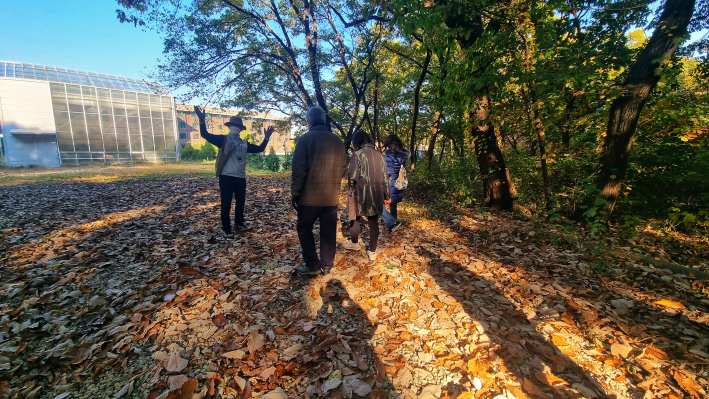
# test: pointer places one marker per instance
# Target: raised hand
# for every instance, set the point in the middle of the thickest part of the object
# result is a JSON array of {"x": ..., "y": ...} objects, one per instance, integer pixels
[
  {"x": 268, "y": 132},
  {"x": 199, "y": 112}
]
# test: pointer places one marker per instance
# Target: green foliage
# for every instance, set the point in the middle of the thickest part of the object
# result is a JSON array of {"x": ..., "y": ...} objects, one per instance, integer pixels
[
  {"x": 272, "y": 162},
  {"x": 206, "y": 152},
  {"x": 255, "y": 162},
  {"x": 287, "y": 161},
  {"x": 186, "y": 152}
]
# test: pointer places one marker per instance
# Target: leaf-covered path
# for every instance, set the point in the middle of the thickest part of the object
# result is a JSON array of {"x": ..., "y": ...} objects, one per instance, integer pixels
[{"x": 126, "y": 289}]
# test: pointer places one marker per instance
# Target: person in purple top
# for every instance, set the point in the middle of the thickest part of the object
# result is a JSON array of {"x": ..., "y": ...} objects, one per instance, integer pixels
[
  {"x": 231, "y": 167},
  {"x": 396, "y": 157}
]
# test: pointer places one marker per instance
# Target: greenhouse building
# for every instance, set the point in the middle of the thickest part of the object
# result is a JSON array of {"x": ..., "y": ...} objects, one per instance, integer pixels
[{"x": 53, "y": 116}]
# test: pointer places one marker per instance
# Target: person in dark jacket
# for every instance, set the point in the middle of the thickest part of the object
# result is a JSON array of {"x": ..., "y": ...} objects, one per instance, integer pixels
[
  {"x": 368, "y": 175},
  {"x": 396, "y": 157},
  {"x": 318, "y": 166},
  {"x": 231, "y": 167}
]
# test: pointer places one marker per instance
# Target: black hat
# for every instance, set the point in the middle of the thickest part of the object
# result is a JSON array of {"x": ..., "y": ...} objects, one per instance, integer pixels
[{"x": 235, "y": 121}]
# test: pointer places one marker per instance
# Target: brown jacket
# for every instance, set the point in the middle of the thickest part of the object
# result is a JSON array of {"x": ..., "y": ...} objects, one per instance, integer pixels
[
  {"x": 318, "y": 166},
  {"x": 368, "y": 175}
]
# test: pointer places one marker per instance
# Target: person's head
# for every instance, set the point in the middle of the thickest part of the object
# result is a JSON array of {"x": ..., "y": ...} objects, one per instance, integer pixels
[
  {"x": 235, "y": 125},
  {"x": 393, "y": 143},
  {"x": 315, "y": 116},
  {"x": 361, "y": 138}
]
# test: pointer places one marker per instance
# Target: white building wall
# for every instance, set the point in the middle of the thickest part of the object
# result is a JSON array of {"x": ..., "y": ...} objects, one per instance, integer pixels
[{"x": 27, "y": 119}]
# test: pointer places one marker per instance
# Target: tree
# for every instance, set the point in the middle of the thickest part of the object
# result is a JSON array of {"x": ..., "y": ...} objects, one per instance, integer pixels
[
  {"x": 625, "y": 110},
  {"x": 272, "y": 162},
  {"x": 252, "y": 55},
  {"x": 207, "y": 152}
]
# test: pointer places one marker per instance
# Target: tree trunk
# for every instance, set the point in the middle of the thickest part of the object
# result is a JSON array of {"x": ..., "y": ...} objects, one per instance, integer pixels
[
  {"x": 432, "y": 142},
  {"x": 498, "y": 187},
  {"x": 439, "y": 115},
  {"x": 541, "y": 136},
  {"x": 440, "y": 156},
  {"x": 566, "y": 126},
  {"x": 625, "y": 110},
  {"x": 417, "y": 95}
]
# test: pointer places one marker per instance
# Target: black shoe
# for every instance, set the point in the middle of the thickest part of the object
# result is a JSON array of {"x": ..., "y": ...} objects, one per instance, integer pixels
[
  {"x": 227, "y": 235},
  {"x": 305, "y": 271},
  {"x": 242, "y": 228},
  {"x": 395, "y": 227}
]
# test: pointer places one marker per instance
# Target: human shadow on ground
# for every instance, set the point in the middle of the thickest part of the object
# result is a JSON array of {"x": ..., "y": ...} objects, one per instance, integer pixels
[
  {"x": 340, "y": 361},
  {"x": 503, "y": 331}
]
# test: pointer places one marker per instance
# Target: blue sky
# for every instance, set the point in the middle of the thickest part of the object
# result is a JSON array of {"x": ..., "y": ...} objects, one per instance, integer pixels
[{"x": 79, "y": 34}]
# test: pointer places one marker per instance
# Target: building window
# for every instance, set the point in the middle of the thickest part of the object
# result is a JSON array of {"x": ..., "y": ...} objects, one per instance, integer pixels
[
  {"x": 182, "y": 113},
  {"x": 209, "y": 126},
  {"x": 183, "y": 136},
  {"x": 207, "y": 116},
  {"x": 195, "y": 125},
  {"x": 221, "y": 127},
  {"x": 219, "y": 116},
  {"x": 195, "y": 136},
  {"x": 183, "y": 124}
]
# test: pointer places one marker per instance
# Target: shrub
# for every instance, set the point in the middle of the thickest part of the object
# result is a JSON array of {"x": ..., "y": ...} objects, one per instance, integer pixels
[
  {"x": 272, "y": 162},
  {"x": 254, "y": 162},
  {"x": 207, "y": 152},
  {"x": 288, "y": 161}
]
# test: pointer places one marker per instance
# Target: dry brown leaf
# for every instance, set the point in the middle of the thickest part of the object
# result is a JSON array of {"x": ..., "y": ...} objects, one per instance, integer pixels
[
  {"x": 187, "y": 389},
  {"x": 669, "y": 304},
  {"x": 255, "y": 342},
  {"x": 532, "y": 389},
  {"x": 188, "y": 271},
  {"x": 220, "y": 320},
  {"x": 292, "y": 350},
  {"x": 277, "y": 393},
  {"x": 175, "y": 382},
  {"x": 688, "y": 384},
  {"x": 175, "y": 364},
  {"x": 621, "y": 350},
  {"x": 237, "y": 354},
  {"x": 83, "y": 354}
]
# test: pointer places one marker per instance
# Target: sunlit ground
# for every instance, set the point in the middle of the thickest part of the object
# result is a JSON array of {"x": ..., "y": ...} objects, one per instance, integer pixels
[{"x": 130, "y": 287}]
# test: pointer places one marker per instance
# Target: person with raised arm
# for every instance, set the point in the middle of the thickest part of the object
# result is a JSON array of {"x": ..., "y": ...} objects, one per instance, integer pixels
[{"x": 231, "y": 167}]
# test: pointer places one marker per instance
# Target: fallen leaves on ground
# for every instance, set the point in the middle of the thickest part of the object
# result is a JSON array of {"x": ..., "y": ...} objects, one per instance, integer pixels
[{"x": 128, "y": 290}]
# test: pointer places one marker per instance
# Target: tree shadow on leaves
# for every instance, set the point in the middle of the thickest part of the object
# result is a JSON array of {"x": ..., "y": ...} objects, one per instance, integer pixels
[{"x": 503, "y": 335}]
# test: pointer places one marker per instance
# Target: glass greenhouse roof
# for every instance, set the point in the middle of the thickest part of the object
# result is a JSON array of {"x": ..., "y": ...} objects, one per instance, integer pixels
[{"x": 63, "y": 75}]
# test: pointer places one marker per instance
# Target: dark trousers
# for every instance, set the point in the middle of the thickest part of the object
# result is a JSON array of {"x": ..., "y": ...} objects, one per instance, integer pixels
[
  {"x": 373, "y": 223},
  {"x": 232, "y": 187},
  {"x": 390, "y": 215},
  {"x": 307, "y": 215}
]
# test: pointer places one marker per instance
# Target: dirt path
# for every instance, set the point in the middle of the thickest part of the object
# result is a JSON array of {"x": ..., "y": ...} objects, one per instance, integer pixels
[{"x": 127, "y": 290}]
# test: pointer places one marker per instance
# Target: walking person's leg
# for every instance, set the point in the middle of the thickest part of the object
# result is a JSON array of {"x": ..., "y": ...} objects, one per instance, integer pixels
[
  {"x": 393, "y": 214},
  {"x": 373, "y": 222},
  {"x": 240, "y": 193},
  {"x": 354, "y": 231},
  {"x": 226, "y": 189},
  {"x": 328, "y": 236},
  {"x": 306, "y": 219},
  {"x": 389, "y": 219}
]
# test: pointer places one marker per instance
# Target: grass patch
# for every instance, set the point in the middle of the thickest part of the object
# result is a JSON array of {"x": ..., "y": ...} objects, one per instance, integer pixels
[
  {"x": 391, "y": 266},
  {"x": 111, "y": 173}
]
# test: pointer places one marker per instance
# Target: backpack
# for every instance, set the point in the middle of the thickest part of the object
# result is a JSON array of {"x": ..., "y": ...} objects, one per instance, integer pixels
[{"x": 401, "y": 183}]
